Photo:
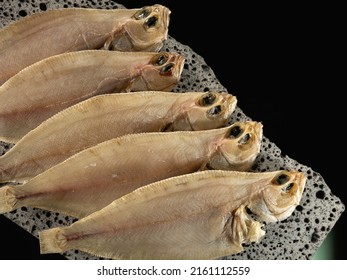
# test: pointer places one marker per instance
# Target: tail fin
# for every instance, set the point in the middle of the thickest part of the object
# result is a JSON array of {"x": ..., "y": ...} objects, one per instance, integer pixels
[
  {"x": 52, "y": 241},
  {"x": 8, "y": 199}
]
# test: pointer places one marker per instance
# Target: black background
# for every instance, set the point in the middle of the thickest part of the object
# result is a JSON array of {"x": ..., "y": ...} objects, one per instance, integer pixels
[{"x": 284, "y": 64}]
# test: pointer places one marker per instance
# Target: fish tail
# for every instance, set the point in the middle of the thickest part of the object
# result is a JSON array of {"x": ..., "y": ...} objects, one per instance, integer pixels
[
  {"x": 52, "y": 241},
  {"x": 8, "y": 200}
]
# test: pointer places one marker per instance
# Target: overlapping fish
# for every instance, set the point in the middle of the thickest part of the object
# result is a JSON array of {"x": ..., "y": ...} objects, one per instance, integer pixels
[
  {"x": 53, "y": 84},
  {"x": 93, "y": 178},
  {"x": 196, "y": 216},
  {"x": 59, "y": 31},
  {"x": 109, "y": 116}
]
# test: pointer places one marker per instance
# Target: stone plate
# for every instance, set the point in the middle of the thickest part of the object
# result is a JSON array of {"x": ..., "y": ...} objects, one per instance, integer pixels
[{"x": 297, "y": 237}]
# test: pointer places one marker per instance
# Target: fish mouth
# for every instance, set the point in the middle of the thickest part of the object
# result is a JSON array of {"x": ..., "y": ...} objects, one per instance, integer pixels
[
  {"x": 256, "y": 128},
  {"x": 164, "y": 13},
  {"x": 229, "y": 102},
  {"x": 300, "y": 178},
  {"x": 178, "y": 61},
  {"x": 180, "y": 64}
]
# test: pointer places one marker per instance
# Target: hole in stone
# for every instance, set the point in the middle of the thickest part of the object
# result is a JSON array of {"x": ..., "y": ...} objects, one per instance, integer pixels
[
  {"x": 22, "y": 13},
  {"x": 315, "y": 237},
  {"x": 205, "y": 67},
  {"x": 43, "y": 7},
  {"x": 320, "y": 194}
]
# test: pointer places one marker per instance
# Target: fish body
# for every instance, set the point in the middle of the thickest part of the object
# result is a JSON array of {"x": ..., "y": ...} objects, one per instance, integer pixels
[
  {"x": 93, "y": 178},
  {"x": 53, "y": 84},
  {"x": 109, "y": 116},
  {"x": 195, "y": 216},
  {"x": 54, "y": 32}
]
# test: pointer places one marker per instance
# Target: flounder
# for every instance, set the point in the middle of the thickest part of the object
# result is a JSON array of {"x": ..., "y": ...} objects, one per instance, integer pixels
[
  {"x": 109, "y": 116},
  {"x": 53, "y": 84},
  {"x": 65, "y": 30},
  {"x": 196, "y": 216},
  {"x": 93, "y": 178}
]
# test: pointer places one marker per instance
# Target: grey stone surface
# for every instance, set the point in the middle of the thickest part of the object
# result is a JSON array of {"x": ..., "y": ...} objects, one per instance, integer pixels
[{"x": 298, "y": 237}]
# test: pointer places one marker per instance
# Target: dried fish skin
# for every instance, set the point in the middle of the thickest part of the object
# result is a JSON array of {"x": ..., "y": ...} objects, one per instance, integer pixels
[
  {"x": 54, "y": 32},
  {"x": 93, "y": 178},
  {"x": 196, "y": 216},
  {"x": 104, "y": 117},
  {"x": 53, "y": 84}
]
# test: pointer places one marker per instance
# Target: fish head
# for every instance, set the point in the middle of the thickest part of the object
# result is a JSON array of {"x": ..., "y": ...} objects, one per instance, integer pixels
[
  {"x": 239, "y": 147},
  {"x": 147, "y": 29},
  {"x": 161, "y": 73},
  {"x": 281, "y": 194},
  {"x": 206, "y": 110}
]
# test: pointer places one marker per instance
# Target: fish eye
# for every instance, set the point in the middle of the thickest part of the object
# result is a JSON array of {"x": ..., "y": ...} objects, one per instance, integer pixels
[
  {"x": 235, "y": 131},
  {"x": 245, "y": 139},
  {"x": 161, "y": 60},
  {"x": 167, "y": 69},
  {"x": 151, "y": 22},
  {"x": 215, "y": 110},
  {"x": 288, "y": 187},
  {"x": 208, "y": 99},
  {"x": 142, "y": 14},
  {"x": 281, "y": 179}
]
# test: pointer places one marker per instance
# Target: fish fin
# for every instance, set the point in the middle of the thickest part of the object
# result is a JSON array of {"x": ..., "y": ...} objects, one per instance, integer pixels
[
  {"x": 51, "y": 63},
  {"x": 244, "y": 228},
  {"x": 167, "y": 128},
  {"x": 205, "y": 166},
  {"x": 8, "y": 199},
  {"x": 107, "y": 44},
  {"x": 30, "y": 22},
  {"x": 52, "y": 241}
]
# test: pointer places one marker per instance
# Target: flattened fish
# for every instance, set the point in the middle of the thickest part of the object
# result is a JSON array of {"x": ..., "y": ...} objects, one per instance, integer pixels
[
  {"x": 59, "y": 31},
  {"x": 195, "y": 216},
  {"x": 109, "y": 116},
  {"x": 51, "y": 85},
  {"x": 93, "y": 178}
]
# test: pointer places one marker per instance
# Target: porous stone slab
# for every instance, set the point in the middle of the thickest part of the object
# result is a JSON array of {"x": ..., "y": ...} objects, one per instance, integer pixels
[{"x": 297, "y": 237}]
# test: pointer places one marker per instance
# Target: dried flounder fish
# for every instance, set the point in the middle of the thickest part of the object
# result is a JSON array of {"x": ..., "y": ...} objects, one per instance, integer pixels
[
  {"x": 53, "y": 84},
  {"x": 93, "y": 178},
  {"x": 59, "y": 31},
  {"x": 195, "y": 216},
  {"x": 109, "y": 116}
]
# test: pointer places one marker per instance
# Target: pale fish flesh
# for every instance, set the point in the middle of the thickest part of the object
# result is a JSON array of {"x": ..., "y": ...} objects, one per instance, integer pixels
[
  {"x": 109, "y": 116},
  {"x": 195, "y": 216},
  {"x": 93, "y": 178},
  {"x": 59, "y": 31},
  {"x": 53, "y": 84}
]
